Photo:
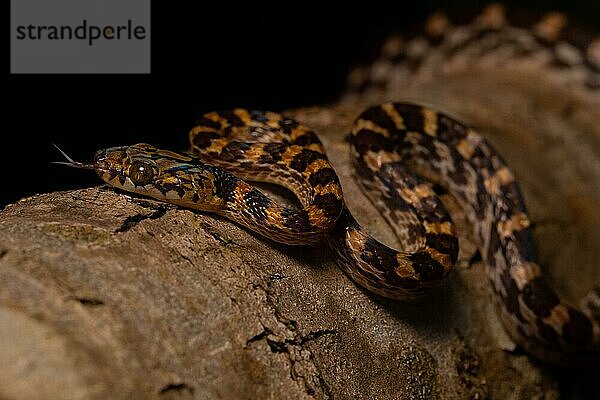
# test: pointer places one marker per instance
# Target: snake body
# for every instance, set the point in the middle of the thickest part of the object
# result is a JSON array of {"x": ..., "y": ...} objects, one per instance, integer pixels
[
  {"x": 494, "y": 39},
  {"x": 391, "y": 142},
  {"x": 400, "y": 151}
]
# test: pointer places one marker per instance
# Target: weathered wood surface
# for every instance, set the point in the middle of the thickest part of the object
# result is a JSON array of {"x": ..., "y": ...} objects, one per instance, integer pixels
[{"x": 107, "y": 296}]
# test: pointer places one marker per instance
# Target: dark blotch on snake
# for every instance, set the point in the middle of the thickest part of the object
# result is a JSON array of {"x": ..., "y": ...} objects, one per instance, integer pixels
[
  {"x": 578, "y": 330},
  {"x": 411, "y": 115},
  {"x": 296, "y": 220},
  {"x": 539, "y": 297},
  {"x": 482, "y": 198},
  {"x": 426, "y": 148},
  {"x": 511, "y": 295},
  {"x": 394, "y": 202},
  {"x": 272, "y": 153},
  {"x": 432, "y": 210},
  {"x": 493, "y": 247},
  {"x": 377, "y": 256},
  {"x": 414, "y": 232},
  {"x": 167, "y": 187},
  {"x": 426, "y": 267},
  {"x": 203, "y": 121},
  {"x": 366, "y": 140},
  {"x": 511, "y": 194},
  {"x": 523, "y": 241},
  {"x": 257, "y": 203},
  {"x": 287, "y": 125},
  {"x": 225, "y": 184},
  {"x": 204, "y": 139},
  {"x": 323, "y": 177},
  {"x": 546, "y": 332},
  {"x": 231, "y": 118},
  {"x": 459, "y": 173},
  {"x": 234, "y": 151},
  {"x": 306, "y": 138},
  {"x": 329, "y": 203},
  {"x": 303, "y": 159},
  {"x": 445, "y": 244},
  {"x": 380, "y": 118},
  {"x": 480, "y": 160},
  {"x": 450, "y": 131}
]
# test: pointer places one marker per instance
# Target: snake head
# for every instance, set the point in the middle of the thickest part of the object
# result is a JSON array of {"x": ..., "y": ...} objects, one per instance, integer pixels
[{"x": 162, "y": 174}]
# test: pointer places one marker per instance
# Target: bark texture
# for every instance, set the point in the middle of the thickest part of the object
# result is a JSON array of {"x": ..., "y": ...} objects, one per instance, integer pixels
[{"x": 104, "y": 295}]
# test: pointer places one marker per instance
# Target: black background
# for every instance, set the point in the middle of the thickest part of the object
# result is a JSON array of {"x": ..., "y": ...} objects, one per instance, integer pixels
[{"x": 204, "y": 57}]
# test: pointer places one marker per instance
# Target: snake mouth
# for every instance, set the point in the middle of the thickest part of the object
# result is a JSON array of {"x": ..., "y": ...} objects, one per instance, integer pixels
[{"x": 110, "y": 163}]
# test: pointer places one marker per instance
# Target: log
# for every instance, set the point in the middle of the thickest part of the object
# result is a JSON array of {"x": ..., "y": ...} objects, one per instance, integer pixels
[{"x": 106, "y": 295}]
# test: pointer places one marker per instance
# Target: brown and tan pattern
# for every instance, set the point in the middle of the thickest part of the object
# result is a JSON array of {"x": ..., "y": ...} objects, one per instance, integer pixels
[
  {"x": 496, "y": 38},
  {"x": 501, "y": 42},
  {"x": 396, "y": 146},
  {"x": 187, "y": 181},
  {"x": 461, "y": 161},
  {"x": 393, "y": 144}
]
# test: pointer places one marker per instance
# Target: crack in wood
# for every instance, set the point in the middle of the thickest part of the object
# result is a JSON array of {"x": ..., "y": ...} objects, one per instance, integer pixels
[
  {"x": 176, "y": 387},
  {"x": 133, "y": 220}
]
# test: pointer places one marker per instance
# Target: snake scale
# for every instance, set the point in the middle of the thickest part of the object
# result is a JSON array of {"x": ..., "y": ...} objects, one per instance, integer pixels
[{"x": 400, "y": 150}]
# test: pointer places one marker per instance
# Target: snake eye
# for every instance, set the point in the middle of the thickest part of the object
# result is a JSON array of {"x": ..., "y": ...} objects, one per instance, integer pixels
[{"x": 141, "y": 173}]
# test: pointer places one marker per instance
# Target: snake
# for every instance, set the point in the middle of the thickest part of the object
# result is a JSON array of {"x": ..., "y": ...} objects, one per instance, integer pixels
[{"x": 401, "y": 152}]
